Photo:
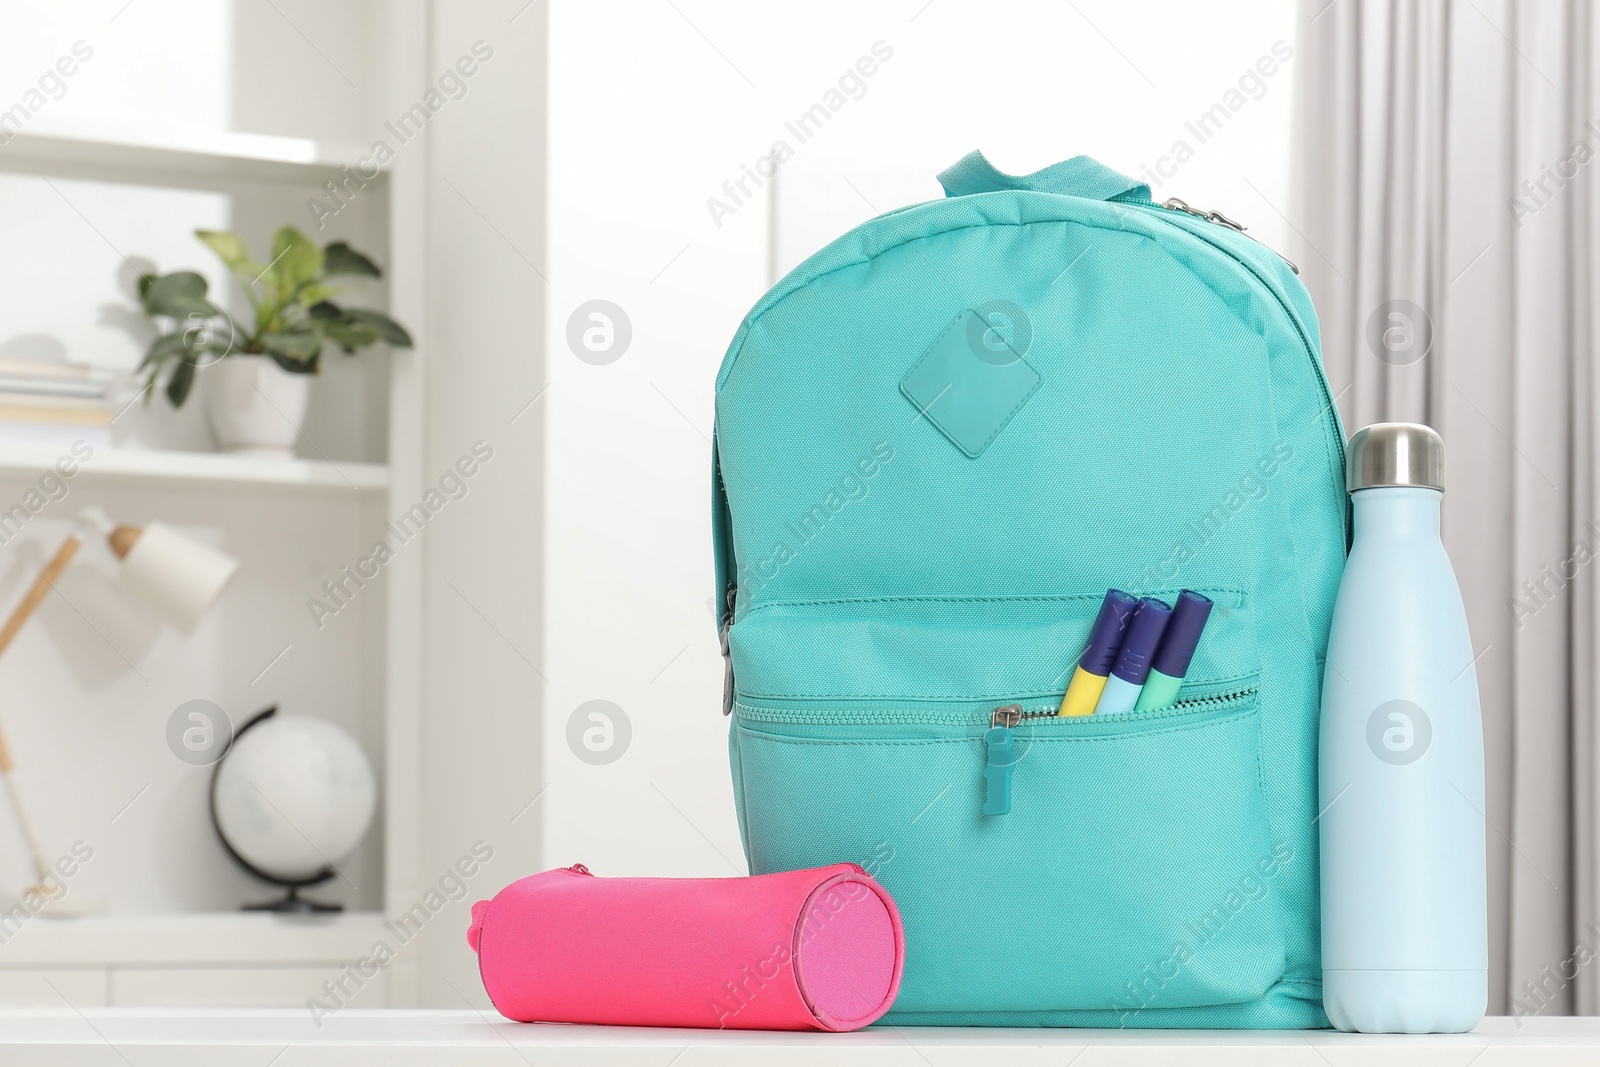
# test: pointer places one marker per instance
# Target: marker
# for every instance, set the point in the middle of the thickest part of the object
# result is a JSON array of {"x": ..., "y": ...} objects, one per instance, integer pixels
[
  {"x": 1133, "y": 659},
  {"x": 1095, "y": 663},
  {"x": 1189, "y": 616}
]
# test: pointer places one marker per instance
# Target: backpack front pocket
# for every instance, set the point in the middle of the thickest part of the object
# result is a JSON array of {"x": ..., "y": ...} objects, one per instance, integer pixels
[{"x": 1135, "y": 869}]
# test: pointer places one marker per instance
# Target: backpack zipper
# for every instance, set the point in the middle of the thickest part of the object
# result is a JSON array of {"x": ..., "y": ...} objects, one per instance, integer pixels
[
  {"x": 999, "y": 745},
  {"x": 727, "y": 653},
  {"x": 1328, "y": 402},
  {"x": 1172, "y": 203},
  {"x": 1000, "y": 756}
]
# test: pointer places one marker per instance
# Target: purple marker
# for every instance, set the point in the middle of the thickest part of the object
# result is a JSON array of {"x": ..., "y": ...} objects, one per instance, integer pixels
[
  {"x": 1133, "y": 659},
  {"x": 1105, "y": 638},
  {"x": 1189, "y": 617}
]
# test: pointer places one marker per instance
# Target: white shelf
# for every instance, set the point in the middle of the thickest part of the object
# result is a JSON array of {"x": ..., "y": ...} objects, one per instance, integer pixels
[
  {"x": 233, "y": 939},
  {"x": 181, "y": 150},
  {"x": 62, "y": 1037},
  {"x": 201, "y": 469}
]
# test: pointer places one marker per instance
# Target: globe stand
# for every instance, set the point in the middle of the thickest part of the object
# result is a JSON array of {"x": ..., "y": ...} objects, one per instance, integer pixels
[
  {"x": 291, "y": 903},
  {"x": 294, "y": 904}
]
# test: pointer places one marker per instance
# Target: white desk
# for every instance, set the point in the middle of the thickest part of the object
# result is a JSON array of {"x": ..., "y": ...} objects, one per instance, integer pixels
[{"x": 287, "y": 1038}]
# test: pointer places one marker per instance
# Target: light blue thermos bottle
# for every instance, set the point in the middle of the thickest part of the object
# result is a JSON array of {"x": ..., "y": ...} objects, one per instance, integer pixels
[{"x": 1405, "y": 941}]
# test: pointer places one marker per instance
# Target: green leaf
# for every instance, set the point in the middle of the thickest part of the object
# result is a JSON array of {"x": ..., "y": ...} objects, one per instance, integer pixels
[
  {"x": 203, "y": 334},
  {"x": 145, "y": 281},
  {"x": 300, "y": 346},
  {"x": 171, "y": 291},
  {"x": 231, "y": 250},
  {"x": 325, "y": 310},
  {"x": 192, "y": 309},
  {"x": 163, "y": 348},
  {"x": 180, "y": 383},
  {"x": 316, "y": 293},
  {"x": 295, "y": 260},
  {"x": 340, "y": 258},
  {"x": 294, "y": 366},
  {"x": 349, "y": 335},
  {"x": 390, "y": 330}
]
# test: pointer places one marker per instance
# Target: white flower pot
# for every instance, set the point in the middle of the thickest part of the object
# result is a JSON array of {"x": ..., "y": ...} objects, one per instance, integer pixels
[{"x": 254, "y": 406}]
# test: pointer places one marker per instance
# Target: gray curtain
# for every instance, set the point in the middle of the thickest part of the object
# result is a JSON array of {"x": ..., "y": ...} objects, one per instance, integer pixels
[{"x": 1445, "y": 206}]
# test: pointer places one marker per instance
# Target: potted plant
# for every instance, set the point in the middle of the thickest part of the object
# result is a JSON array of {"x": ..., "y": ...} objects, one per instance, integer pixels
[{"x": 256, "y": 381}]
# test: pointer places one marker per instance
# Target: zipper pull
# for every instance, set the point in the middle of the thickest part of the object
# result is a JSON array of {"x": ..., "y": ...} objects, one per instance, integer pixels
[
  {"x": 578, "y": 868},
  {"x": 999, "y": 759},
  {"x": 727, "y": 655},
  {"x": 1172, "y": 203},
  {"x": 1222, "y": 220}
]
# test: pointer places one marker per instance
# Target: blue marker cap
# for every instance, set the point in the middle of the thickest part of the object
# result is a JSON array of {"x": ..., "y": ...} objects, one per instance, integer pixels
[
  {"x": 1189, "y": 617},
  {"x": 1144, "y": 635},
  {"x": 1106, "y": 636}
]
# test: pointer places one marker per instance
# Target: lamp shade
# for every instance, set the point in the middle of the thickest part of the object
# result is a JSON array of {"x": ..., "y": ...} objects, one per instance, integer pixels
[{"x": 175, "y": 574}]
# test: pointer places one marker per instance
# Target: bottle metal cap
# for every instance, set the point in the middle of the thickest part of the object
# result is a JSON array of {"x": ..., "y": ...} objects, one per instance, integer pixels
[{"x": 1395, "y": 453}]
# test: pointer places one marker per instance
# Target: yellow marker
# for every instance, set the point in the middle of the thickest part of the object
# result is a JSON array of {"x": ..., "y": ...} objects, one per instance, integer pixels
[{"x": 1094, "y": 666}]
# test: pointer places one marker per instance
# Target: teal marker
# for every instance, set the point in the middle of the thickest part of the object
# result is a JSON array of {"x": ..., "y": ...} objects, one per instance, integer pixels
[
  {"x": 1134, "y": 658},
  {"x": 1178, "y": 644}
]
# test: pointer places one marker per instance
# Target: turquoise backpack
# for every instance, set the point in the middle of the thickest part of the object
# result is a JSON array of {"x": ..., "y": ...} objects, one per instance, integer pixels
[{"x": 939, "y": 441}]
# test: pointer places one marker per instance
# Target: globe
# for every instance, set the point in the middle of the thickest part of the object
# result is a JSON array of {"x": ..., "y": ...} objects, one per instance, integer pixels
[{"x": 293, "y": 796}]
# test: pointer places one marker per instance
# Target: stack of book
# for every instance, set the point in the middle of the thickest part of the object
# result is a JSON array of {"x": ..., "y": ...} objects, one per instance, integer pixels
[{"x": 53, "y": 403}]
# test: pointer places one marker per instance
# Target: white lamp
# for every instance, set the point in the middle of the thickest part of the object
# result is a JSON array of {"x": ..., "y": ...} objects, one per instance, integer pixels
[{"x": 174, "y": 574}]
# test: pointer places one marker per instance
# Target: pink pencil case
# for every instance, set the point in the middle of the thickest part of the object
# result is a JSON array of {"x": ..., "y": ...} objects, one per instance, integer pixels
[{"x": 818, "y": 949}]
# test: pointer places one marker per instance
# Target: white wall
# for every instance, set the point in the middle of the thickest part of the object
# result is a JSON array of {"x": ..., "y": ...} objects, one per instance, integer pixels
[
  {"x": 297, "y": 68},
  {"x": 646, "y": 121},
  {"x": 482, "y": 364},
  {"x": 652, "y": 108}
]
